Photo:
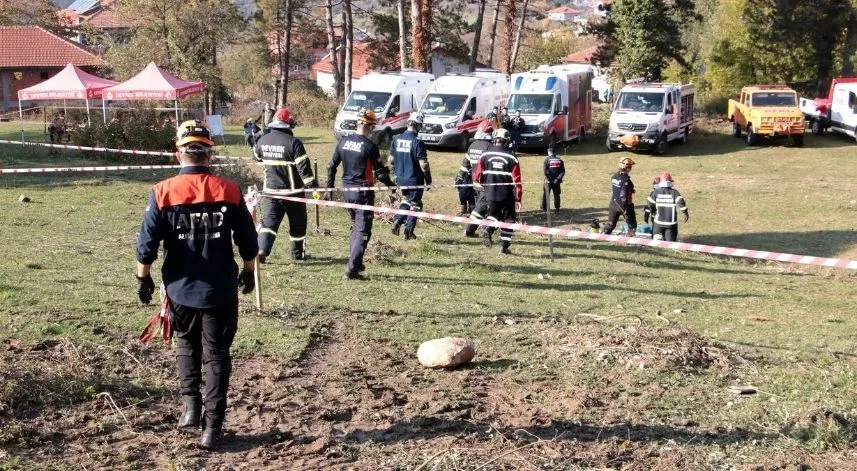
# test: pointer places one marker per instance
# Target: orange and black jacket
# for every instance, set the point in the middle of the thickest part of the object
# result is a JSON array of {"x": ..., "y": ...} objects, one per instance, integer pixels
[
  {"x": 197, "y": 215},
  {"x": 361, "y": 163}
]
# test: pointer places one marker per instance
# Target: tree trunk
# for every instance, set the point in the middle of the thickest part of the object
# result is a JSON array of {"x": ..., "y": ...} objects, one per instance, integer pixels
[
  {"x": 517, "y": 45},
  {"x": 331, "y": 49},
  {"x": 417, "y": 35},
  {"x": 508, "y": 37},
  {"x": 403, "y": 59},
  {"x": 477, "y": 35},
  {"x": 279, "y": 83},
  {"x": 425, "y": 19},
  {"x": 492, "y": 43},
  {"x": 349, "y": 45},
  {"x": 286, "y": 61},
  {"x": 342, "y": 54}
]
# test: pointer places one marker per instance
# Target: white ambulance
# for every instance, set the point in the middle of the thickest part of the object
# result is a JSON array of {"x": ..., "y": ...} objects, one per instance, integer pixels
[
  {"x": 391, "y": 95},
  {"x": 555, "y": 103},
  {"x": 650, "y": 116},
  {"x": 456, "y": 104}
]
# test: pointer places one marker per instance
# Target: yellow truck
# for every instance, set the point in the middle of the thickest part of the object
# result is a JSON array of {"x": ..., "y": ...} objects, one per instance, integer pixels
[{"x": 767, "y": 111}]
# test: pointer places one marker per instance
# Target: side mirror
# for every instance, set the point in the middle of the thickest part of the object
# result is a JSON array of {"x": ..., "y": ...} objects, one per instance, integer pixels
[{"x": 564, "y": 111}]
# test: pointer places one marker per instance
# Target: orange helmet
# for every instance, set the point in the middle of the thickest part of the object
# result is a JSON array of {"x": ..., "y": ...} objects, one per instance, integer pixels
[
  {"x": 667, "y": 177},
  {"x": 191, "y": 131},
  {"x": 282, "y": 119},
  {"x": 366, "y": 116}
]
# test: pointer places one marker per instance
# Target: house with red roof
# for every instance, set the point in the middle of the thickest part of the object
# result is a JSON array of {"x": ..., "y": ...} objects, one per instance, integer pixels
[
  {"x": 360, "y": 66},
  {"x": 99, "y": 15},
  {"x": 31, "y": 54}
]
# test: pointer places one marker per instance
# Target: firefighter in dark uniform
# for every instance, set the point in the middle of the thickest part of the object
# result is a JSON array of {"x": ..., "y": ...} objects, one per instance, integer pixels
[
  {"x": 554, "y": 173},
  {"x": 622, "y": 199},
  {"x": 361, "y": 165},
  {"x": 499, "y": 170},
  {"x": 197, "y": 216},
  {"x": 647, "y": 212},
  {"x": 481, "y": 143},
  {"x": 287, "y": 172},
  {"x": 664, "y": 203},
  {"x": 410, "y": 162}
]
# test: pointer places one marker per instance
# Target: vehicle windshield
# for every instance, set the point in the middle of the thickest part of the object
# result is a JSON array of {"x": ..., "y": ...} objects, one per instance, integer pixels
[
  {"x": 375, "y": 101},
  {"x": 644, "y": 102},
  {"x": 774, "y": 99},
  {"x": 440, "y": 104},
  {"x": 541, "y": 103}
]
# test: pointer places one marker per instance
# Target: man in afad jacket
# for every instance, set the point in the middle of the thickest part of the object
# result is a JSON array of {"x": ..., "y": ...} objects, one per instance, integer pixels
[
  {"x": 361, "y": 165},
  {"x": 554, "y": 169},
  {"x": 197, "y": 216},
  {"x": 287, "y": 172},
  {"x": 410, "y": 162}
]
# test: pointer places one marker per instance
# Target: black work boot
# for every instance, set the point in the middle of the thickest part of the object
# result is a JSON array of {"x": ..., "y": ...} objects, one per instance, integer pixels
[
  {"x": 212, "y": 434},
  {"x": 298, "y": 252},
  {"x": 262, "y": 258},
  {"x": 486, "y": 239},
  {"x": 191, "y": 412},
  {"x": 464, "y": 210},
  {"x": 395, "y": 228},
  {"x": 504, "y": 248},
  {"x": 409, "y": 234}
]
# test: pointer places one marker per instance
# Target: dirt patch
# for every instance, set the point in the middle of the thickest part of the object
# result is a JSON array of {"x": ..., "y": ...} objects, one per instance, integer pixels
[{"x": 346, "y": 403}]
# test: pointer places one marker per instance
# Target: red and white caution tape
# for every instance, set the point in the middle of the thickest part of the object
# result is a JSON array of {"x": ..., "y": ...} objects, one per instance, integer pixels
[
  {"x": 107, "y": 149},
  {"x": 388, "y": 188},
  {"x": 526, "y": 228},
  {"x": 104, "y": 168}
]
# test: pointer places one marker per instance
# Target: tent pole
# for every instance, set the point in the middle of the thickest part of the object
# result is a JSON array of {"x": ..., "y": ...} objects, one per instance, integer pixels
[
  {"x": 104, "y": 109},
  {"x": 21, "y": 114},
  {"x": 64, "y": 109},
  {"x": 177, "y": 113},
  {"x": 88, "y": 118}
]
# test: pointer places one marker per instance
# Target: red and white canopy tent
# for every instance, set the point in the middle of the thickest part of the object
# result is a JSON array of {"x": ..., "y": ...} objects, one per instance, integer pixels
[
  {"x": 70, "y": 83},
  {"x": 152, "y": 83}
]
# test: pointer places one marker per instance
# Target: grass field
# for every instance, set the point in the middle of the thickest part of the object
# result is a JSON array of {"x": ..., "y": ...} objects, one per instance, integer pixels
[{"x": 620, "y": 359}]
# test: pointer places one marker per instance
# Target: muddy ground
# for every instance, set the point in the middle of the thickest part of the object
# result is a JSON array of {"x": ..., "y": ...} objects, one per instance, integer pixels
[{"x": 349, "y": 403}]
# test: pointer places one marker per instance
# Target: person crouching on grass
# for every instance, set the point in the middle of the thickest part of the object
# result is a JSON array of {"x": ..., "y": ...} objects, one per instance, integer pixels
[{"x": 197, "y": 215}]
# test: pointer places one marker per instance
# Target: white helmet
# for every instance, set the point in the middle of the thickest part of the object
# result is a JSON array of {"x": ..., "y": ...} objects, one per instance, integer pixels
[
  {"x": 501, "y": 134},
  {"x": 416, "y": 118}
]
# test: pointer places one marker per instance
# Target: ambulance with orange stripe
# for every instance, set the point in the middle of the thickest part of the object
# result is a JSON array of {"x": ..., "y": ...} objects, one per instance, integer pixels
[
  {"x": 555, "y": 102},
  {"x": 457, "y": 104},
  {"x": 393, "y": 96}
]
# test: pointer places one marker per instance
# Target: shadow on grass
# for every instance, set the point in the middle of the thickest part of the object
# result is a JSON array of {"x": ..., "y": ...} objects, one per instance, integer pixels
[
  {"x": 814, "y": 243},
  {"x": 427, "y": 427},
  {"x": 579, "y": 216},
  {"x": 551, "y": 286}
]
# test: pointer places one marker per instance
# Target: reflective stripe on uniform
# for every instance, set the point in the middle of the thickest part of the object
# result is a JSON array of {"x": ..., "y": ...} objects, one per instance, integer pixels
[
  {"x": 265, "y": 230},
  {"x": 496, "y": 172},
  {"x": 308, "y": 180},
  {"x": 277, "y": 162},
  {"x": 297, "y": 239},
  {"x": 301, "y": 159}
]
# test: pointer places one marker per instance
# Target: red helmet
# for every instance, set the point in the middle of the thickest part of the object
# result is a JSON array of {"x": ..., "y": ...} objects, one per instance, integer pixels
[
  {"x": 667, "y": 177},
  {"x": 486, "y": 127},
  {"x": 656, "y": 180},
  {"x": 283, "y": 115}
]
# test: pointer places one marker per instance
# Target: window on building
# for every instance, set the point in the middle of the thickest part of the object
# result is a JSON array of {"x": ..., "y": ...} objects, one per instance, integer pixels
[{"x": 17, "y": 75}]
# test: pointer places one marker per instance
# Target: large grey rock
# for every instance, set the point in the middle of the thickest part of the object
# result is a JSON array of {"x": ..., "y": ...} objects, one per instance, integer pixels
[{"x": 447, "y": 352}]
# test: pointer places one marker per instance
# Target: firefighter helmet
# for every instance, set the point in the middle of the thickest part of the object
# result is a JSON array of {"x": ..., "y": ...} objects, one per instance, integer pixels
[
  {"x": 416, "y": 118},
  {"x": 366, "y": 116},
  {"x": 501, "y": 134},
  {"x": 282, "y": 119},
  {"x": 667, "y": 177},
  {"x": 192, "y": 131}
]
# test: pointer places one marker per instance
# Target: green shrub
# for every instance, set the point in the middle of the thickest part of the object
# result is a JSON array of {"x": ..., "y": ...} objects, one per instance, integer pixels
[{"x": 135, "y": 129}]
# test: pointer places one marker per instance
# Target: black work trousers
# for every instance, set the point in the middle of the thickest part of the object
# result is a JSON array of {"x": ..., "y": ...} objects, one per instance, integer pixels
[
  {"x": 273, "y": 212},
  {"x": 629, "y": 214},
  {"x": 480, "y": 212},
  {"x": 668, "y": 233},
  {"x": 502, "y": 211},
  {"x": 554, "y": 188},
  {"x": 361, "y": 228},
  {"x": 204, "y": 337}
]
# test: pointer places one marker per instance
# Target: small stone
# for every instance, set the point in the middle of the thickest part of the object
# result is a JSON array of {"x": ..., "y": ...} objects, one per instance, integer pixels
[
  {"x": 24, "y": 199},
  {"x": 678, "y": 311},
  {"x": 447, "y": 352},
  {"x": 509, "y": 321}
]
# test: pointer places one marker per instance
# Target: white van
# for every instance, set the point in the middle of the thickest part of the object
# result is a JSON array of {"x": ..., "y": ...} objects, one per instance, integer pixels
[
  {"x": 837, "y": 111},
  {"x": 648, "y": 116},
  {"x": 456, "y": 104},
  {"x": 391, "y": 95},
  {"x": 555, "y": 103}
]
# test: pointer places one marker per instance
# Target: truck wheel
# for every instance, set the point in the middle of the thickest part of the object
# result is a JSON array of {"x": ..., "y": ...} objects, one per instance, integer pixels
[
  {"x": 751, "y": 136},
  {"x": 384, "y": 139},
  {"x": 662, "y": 145},
  {"x": 797, "y": 141},
  {"x": 464, "y": 142},
  {"x": 736, "y": 130},
  {"x": 817, "y": 128},
  {"x": 610, "y": 147}
]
